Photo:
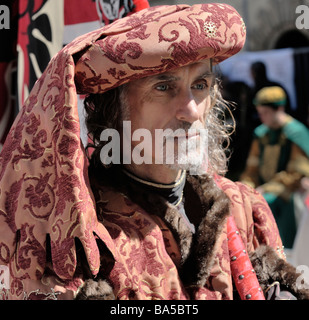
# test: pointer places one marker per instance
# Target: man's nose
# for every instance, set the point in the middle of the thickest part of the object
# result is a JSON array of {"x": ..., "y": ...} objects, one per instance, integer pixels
[{"x": 187, "y": 108}]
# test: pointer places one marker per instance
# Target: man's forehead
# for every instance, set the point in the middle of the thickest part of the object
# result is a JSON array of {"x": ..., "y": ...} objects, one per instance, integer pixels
[{"x": 198, "y": 70}]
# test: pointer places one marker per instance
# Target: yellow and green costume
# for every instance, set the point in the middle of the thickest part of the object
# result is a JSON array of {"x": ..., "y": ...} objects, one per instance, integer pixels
[{"x": 277, "y": 162}]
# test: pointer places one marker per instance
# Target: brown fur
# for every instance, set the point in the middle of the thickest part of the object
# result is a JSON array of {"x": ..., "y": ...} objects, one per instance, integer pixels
[
  {"x": 269, "y": 267},
  {"x": 215, "y": 208},
  {"x": 95, "y": 290}
]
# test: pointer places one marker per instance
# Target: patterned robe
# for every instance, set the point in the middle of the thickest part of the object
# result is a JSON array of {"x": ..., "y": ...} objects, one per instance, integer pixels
[{"x": 144, "y": 258}]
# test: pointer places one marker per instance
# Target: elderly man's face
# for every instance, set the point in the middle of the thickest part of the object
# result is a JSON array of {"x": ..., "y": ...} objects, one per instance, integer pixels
[{"x": 178, "y": 99}]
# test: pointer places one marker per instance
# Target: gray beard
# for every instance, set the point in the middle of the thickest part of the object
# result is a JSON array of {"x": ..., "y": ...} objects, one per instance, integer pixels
[{"x": 191, "y": 156}]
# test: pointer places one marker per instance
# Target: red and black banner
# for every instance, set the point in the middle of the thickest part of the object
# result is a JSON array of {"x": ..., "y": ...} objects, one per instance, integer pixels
[
  {"x": 38, "y": 30},
  {"x": 8, "y": 62}
]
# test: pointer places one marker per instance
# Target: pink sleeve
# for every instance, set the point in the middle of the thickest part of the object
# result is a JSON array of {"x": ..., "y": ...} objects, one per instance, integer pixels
[
  {"x": 253, "y": 216},
  {"x": 265, "y": 230}
]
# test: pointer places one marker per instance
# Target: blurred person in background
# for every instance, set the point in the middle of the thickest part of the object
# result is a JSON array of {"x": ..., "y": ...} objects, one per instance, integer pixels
[
  {"x": 278, "y": 159},
  {"x": 261, "y": 80}
]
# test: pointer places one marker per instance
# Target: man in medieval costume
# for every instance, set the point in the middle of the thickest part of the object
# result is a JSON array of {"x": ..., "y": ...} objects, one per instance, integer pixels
[
  {"x": 278, "y": 160},
  {"x": 108, "y": 229}
]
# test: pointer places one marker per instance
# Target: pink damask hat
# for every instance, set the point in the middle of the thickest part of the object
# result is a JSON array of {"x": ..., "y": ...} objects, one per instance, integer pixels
[
  {"x": 156, "y": 40},
  {"x": 44, "y": 187}
]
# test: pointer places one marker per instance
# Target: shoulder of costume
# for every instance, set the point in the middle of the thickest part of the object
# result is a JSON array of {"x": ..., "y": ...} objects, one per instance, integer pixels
[
  {"x": 239, "y": 191},
  {"x": 230, "y": 187},
  {"x": 298, "y": 133},
  {"x": 248, "y": 203},
  {"x": 260, "y": 131}
]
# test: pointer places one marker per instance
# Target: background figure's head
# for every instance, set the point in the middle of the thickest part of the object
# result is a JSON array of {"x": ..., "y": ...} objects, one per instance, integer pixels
[
  {"x": 258, "y": 72},
  {"x": 270, "y": 104}
]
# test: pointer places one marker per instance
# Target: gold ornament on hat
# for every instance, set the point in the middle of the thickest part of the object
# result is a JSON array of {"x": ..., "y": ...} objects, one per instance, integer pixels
[{"x": 210, "y": 29}]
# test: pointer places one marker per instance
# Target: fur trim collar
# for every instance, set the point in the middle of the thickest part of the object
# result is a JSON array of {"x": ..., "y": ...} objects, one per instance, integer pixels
[
  {"x": 270, "y": 268},
  {"x": 208, "y": 214}
]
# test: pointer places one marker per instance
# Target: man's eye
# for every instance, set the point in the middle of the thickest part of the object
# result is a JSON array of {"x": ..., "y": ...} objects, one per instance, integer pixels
[
  {"x": 162, "y": 87},
  {"x": 200, "y": 86}
]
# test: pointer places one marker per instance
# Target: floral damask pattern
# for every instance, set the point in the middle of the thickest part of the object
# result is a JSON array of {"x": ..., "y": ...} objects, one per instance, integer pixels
[
  {"x": 146, "y": 267},
  {"x": 135, "y": 47},
  {"x": 260, "y": 227},
  {"x": 43, "y": 186}
]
